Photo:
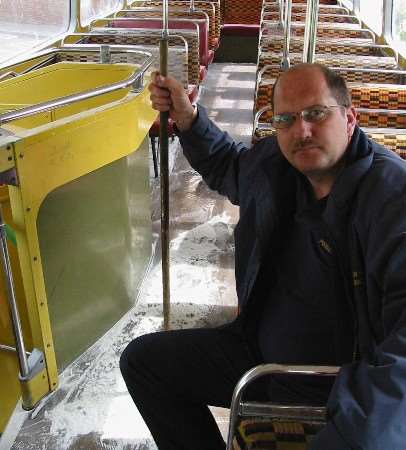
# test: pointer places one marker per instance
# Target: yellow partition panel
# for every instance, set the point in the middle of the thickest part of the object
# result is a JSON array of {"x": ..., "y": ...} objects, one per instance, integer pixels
[{"x": 75, "y": 142}]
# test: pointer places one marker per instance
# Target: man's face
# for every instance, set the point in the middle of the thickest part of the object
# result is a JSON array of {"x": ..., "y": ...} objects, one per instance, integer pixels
[{"x": 315, "y": 149}]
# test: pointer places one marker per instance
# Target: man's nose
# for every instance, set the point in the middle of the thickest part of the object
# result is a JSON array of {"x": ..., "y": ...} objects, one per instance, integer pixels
[{"x": 302, "y": 129}]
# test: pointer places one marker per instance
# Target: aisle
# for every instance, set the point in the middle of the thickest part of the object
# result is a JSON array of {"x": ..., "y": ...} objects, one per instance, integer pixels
[{"x": 91, "y": 410}]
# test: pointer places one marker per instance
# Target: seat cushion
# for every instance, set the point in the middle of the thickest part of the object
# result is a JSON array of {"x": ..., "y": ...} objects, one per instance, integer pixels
[{"x": 266, "y": 434}]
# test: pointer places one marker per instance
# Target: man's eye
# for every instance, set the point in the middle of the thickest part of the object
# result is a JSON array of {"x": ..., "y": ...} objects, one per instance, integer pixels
[
  {"x": 283, "y": 118},
  {"x": 315, "y": 114}
]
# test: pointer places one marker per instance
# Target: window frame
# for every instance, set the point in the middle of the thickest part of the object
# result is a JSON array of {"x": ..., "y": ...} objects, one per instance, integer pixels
[
  {"x": 53, "y": 40},
  {"x": 388, "y": 29},
  {"x": 124, "y": 3},
  {"x": 384, "y": 3}
]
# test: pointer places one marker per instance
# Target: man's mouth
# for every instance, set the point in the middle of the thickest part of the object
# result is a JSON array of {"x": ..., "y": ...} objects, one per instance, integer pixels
[{"x": 306, "y": 147}]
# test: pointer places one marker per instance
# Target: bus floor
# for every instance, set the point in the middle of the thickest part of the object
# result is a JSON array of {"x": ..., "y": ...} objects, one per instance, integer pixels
[{"x": 91, "y": 409}]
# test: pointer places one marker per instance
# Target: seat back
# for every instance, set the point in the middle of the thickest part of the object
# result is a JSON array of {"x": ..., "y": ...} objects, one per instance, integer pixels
[
  {"x": 261, "y": 425},
  {"x": 123, "y": 25}
]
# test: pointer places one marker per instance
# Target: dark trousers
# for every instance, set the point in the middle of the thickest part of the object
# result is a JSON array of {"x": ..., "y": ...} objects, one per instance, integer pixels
[{"x": 173, "y": 376}]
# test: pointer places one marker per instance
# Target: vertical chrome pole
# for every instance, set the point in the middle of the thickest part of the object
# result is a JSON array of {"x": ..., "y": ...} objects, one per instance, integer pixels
[
  {"x": 286, "y": 38},
  {"x": 309, "y": 45},
  {"x": 281, "y": 14},
  {"x": 164, "y": 173},
  {"x": 15, "y": 318}
]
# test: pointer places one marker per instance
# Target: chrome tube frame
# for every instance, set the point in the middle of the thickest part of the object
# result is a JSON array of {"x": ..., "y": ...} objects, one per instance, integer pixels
[
  {"x": 274, "y": 410},
  {"x": 309, "y": 44},
  {"x": 282, "y": 14},
  {"x": 7, "y": 348},
  {"x": 10, "y": 74},
  {"x": 164, "y": 175},
  {"x": 285, "y": 63},
  {"x": 15, "y": 317},
  {"x": 135, "y": 80}
]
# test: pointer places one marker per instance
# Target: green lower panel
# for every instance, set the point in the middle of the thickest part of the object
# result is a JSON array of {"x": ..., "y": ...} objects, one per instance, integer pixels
[{"x": 95, "y": 239}]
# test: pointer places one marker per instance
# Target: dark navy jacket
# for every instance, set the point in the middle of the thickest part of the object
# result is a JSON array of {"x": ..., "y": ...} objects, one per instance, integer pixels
[{"x": 366, "y": 217}]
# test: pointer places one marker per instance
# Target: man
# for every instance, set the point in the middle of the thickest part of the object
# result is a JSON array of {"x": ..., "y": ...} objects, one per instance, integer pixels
[{"x": 320, "y": 273}]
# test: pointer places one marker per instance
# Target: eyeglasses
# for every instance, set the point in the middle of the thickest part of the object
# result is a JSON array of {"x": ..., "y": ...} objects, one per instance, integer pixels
[{"x": 313, "y": 114}]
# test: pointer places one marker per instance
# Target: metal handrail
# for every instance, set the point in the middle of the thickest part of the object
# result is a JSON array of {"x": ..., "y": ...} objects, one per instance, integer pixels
[
  {"x": 270, "y": 369},
  {"x": 177, "y": 8},
  {"x": 322, "y": 26},
  {"x": 309, "y": 44},
  {"x": 400, "y": 73},
  {"x": 134, "y": 80},
  {"x": 11, "y": 74},
  {"x": 285, "y": 63},
  {"x": 8, "y": 348},
  {"x": 15, "y": 317}
]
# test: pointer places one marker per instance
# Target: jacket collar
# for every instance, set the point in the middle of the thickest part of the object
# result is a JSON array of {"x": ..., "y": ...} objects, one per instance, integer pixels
[
  {"x": 282, "y": 180},
  {"x": 359, "y": 156}
]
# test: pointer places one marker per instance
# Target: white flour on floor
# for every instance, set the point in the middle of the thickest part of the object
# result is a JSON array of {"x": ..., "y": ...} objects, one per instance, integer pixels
[{"x": 92, "y": 402}]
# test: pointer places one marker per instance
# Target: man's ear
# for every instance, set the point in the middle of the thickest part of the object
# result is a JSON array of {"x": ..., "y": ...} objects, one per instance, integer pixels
[{"x": 351, "y": 120}]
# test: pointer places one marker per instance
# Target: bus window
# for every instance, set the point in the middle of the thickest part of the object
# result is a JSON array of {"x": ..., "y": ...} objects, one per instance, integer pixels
[
  {"x": 93, "y": 9},
  {"x": 399, "y": 25},
  {"x": 371, "y": 12},
  {"x": 348, "y": 4},
  {"x": 25, "y": 24}
]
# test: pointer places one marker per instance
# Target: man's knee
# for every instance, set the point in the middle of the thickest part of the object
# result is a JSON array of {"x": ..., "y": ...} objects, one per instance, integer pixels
[{"x": 138, "y": 354}]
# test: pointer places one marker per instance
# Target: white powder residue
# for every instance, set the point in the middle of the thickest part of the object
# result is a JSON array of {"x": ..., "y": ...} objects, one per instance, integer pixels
[
  {"x": 194, "y": 264},
  {"x": 92, "y": 403}
]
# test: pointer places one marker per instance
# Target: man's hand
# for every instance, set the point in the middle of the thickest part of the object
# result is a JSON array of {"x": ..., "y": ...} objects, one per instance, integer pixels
[{"x": 167, "y": 94}]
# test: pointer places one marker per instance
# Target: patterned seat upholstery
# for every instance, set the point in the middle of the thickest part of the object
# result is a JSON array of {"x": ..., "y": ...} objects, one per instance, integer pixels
[
  {"x": 358, "y": 75},
  {"x": 177, "y": 61},
  {"x": 301, "y": 8},
  {"x": 370, "y": 99},
  {"x": 152, "y": 37},
  {"x": 371, "y": 75},
  {"x": 332, "y": 46},
  {"x": 322, "y": 17},
  {"x": 392, "y": 139},
  {"x": 211, "y": 8},
  {"x": 301, "y": 2},
  {"x": 266, "y": 434},
  {"x": 375, "y": 96},
  {"x": 350, "y": 61},
  {"x": 247, "y": 12},
  {"x": 344, "y": 31}
]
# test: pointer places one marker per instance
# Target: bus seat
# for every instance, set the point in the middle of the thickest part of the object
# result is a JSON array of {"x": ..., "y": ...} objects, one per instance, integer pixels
[
  {"x": 301, "y": 8},
  {"x": 266, "y": 425},
  {"x": 351, "y": 61},
  {"x": 206, "y": 55},
  {"x": 181, "y": 9},
  {"x": 328, "y": 30},
  {"x": 381, "y": 96},
  {"x": 247, "y": 12},
  {"x": 394, "y": 139},
  {"x": 322, "y": 17},
  {"x": 191, "y": 37},
  {"x": 332, "y": 46}
]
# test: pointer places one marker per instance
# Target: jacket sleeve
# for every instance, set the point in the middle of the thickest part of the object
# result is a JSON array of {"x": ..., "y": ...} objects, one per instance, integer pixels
[
  {"x": 214, "y": 155},
  {"x": 367, "y": 406}
]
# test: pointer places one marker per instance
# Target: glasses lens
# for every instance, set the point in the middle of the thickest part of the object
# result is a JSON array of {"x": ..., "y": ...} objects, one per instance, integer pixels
[
  {"x": 282, "y": 120},
  {"x": 315, "y": 114}
]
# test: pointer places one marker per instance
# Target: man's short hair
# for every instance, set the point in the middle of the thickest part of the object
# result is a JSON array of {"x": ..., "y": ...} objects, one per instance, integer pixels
[{"x": 335, "y": 83}]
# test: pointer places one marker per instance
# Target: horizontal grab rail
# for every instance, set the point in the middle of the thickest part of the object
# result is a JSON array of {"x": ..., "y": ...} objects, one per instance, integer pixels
[{"x": 134, "y": 80}]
